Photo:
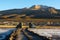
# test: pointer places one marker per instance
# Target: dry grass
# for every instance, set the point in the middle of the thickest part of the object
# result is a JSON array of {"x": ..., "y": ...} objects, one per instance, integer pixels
[
  {"x": 7, "y": 26},
  {"x": 31, "y": 20},
  {"x": 48, "y": 27}
]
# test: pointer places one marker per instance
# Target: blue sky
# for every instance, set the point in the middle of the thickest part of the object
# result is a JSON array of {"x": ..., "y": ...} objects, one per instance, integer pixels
[{"x": 11, "y": 4}]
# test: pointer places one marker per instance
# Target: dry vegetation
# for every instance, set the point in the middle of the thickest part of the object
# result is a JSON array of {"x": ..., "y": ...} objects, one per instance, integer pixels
[
  {"x": 48, "y": 27},
  {"x": 32, "y": 20}
]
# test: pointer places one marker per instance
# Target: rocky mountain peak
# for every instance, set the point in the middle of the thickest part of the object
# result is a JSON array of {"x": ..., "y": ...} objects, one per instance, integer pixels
[{"x": 35, "y": 7}]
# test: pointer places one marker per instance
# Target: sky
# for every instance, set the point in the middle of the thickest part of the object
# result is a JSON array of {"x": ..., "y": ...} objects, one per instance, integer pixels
[{"x": 18, "y": 4}]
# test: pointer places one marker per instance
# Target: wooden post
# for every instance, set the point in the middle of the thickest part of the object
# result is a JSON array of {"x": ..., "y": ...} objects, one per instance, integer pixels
[
  {"x": 30, "y": 25},
  {"x": 19, "y": 25}
]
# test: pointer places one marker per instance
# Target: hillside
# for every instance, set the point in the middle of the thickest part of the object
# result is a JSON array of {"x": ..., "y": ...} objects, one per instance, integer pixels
[{"x": 36, "y": 11}]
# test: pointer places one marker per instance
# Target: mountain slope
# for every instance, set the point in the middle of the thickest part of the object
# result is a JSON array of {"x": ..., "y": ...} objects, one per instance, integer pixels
[{"x": 36, "y": 11}]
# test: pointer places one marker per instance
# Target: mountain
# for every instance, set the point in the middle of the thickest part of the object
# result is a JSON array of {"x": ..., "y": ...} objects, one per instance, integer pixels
[
  {"x": 36, "y": 7},
  {"x": 43, "y": 8},
  {"x": 36, "y": 11}
]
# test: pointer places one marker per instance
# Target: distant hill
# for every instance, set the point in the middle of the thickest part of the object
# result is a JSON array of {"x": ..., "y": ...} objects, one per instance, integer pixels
[{"x": 36, "y": 11}]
